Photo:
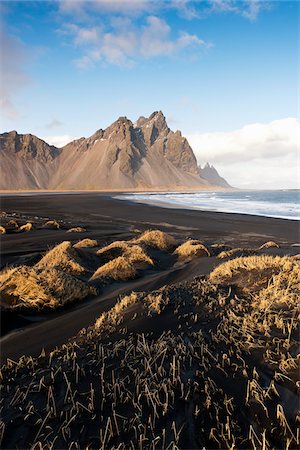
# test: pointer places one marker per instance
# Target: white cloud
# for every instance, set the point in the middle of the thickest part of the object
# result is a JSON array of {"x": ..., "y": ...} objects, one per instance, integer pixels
[
  {"x": 59, "y": 141},
  {"x": 187, "y": 9},
  {"x": 249, "y": 9},
  {"x": 13, "y": 76},
  {"x": 125, "y": 43},
  {"x": 257, "y": 155}
]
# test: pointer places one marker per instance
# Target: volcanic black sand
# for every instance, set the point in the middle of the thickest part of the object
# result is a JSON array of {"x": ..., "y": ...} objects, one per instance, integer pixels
[
  {"x": 184, "y": 363},
  {"x": 107, "y": 219}
]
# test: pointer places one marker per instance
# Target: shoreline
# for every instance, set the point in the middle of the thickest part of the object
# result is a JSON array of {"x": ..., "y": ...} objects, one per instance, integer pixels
[
  {"x": 169, "y": 205},
  {"x": 107, "y": 219},
  {"x": 118, "y": 194}
]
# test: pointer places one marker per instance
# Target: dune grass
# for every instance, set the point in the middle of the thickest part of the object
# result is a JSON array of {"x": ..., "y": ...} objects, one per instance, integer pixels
[
  {"x": 270, "y": 279},
  {"x": 26, "y": 227},
  {"x": 12, "y": 225},
  {"x": 32, "y": 288},
  {"x": 76, "y": 230},
  {"x": 119, "y": 269},
  {"x": 158, "y": 239},
  {"x": 51, "y": 225},
  {"x": 198, "y": 364},
  {"x": 268, "y": 244},
  {"x": 64, "y": 257},
  {"x": 86, "y": 243},
  {"x": 235, "y": 252},
  {"x": 191, "y": 248}
]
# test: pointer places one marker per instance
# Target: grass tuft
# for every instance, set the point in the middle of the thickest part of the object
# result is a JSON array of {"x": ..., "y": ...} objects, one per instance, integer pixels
[
  {"x": 158, "y": 239},
  {"x": 30, "y": 287},
  {"x": 191, "y": 248},
  {"x": 119, "y": 269},
  {"x": 51, "y": 225},
  {"x": 76, "y": 230},
  {"x": 86, "y": 243},
  {"x": 64, "y": 257},
  {"x": 27, "y": 227}
]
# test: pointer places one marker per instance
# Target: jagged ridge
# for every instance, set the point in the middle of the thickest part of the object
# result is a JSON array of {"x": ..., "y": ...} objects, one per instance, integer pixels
[{"x": 143, "y": 155}]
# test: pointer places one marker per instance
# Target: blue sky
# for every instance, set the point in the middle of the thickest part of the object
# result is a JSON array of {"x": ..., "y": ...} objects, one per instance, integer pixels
[{"x": 213, "y": 67}]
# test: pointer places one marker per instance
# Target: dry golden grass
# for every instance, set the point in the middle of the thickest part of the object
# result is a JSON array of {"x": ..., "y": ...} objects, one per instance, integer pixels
[
  {"x": 113, "y": 250},
  {"x": 236, "y": 252},
  {"x": 112, "y": 317},
  {"x": 37, "y": 289},
  {"x": 268, "y": 245},
  {"x": 134, "y": 253},
  {"x": 86, "y": 243},
  {"x": 64, "y": 257},
  {"x": 76, "y": 230},
  {"x": 27, "y": 227},
  {"x": 272, "y": 280},
  {"x": 118, "y": 269},
  {"x": 191, "y": 248},
  {"x": 12, "y": 225},
  {"x": 2, "y": 230},
  {"x": 51, "y": 224},
  {"x": 158, "y": 239}
]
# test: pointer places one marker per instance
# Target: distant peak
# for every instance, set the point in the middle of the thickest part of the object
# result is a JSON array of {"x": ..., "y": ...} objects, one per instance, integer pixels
[{"x": 157, "y": 114}]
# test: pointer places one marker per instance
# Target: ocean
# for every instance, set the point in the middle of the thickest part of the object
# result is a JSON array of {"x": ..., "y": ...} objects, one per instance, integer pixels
[{"x": 280, "y": 203}]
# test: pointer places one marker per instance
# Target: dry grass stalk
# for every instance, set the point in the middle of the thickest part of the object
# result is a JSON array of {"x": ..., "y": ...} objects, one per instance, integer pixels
[
  {"x": 27, "y": 227},
  {"x": 236, "y": 252},
  {"x": 86, "y": 243},
  {"x": 12, "y": 225},
  {"x": 268, "y": 244},
  {"x": 32, "y": 288},
  {"x": 158, "y": 239},
  {"x": 76, "y": 230},
  {"x": 51, "y": 224},
  {"x": 134, "y": 253},
  {"x": 117, "y": 269},
  {"x": 191, "y": 248},
  {"x": 64, "y": 257},
  {"x": 112, "y": 317}
]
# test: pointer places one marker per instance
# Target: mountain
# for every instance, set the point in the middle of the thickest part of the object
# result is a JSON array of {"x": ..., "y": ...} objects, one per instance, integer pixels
[
  {"x": 210, "y": 174},
  {"x": 143, "y": 155}
]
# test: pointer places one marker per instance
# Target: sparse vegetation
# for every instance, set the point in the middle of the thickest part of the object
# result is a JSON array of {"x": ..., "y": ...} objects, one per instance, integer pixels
[
  {"x": 86, "y": 243},
  {"x": 64, "y": 257},
  {"x": 36, "y": 289},
  {"x": 235, "y": 252},
  {"x": 117, "y": 269},
  {"x": 51, "y": 224},
  {"x": 26, "y": 227},
  {"x": 76, "y": 230},
  {"x": 12, "y": 225},
  {"x": 191, "y": 248},
  {"x": 158, "y": 239},
  {"x": 268, "y": 244},
  {"x": 201, "y": 364}
]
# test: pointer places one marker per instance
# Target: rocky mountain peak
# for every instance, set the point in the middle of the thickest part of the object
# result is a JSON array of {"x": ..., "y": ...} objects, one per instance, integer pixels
[
  {"x": 28, "y": 146},
  {"x": 146, "y": 154}
]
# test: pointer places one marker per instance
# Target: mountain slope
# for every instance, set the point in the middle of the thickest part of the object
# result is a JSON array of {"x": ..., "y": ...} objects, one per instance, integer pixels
[
  {"x": 143, "y": 155},
  {"x": 210, "y": 174}
]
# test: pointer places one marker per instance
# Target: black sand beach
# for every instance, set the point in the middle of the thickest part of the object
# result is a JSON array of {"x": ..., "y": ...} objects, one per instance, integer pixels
[
  {"x": 107, "y": 219},
  {"x": 178, "y": 357}
]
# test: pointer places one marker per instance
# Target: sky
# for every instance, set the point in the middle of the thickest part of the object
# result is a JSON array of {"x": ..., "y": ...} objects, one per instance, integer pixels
[{"x": 224, "y": 72}]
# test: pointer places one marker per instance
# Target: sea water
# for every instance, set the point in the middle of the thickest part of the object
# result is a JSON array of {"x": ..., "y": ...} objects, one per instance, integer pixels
[{"x": 276, "y": 203}]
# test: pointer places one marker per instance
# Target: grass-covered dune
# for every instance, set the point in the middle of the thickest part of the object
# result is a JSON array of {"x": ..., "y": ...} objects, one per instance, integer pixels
[{"x": 210, "y": 363}]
